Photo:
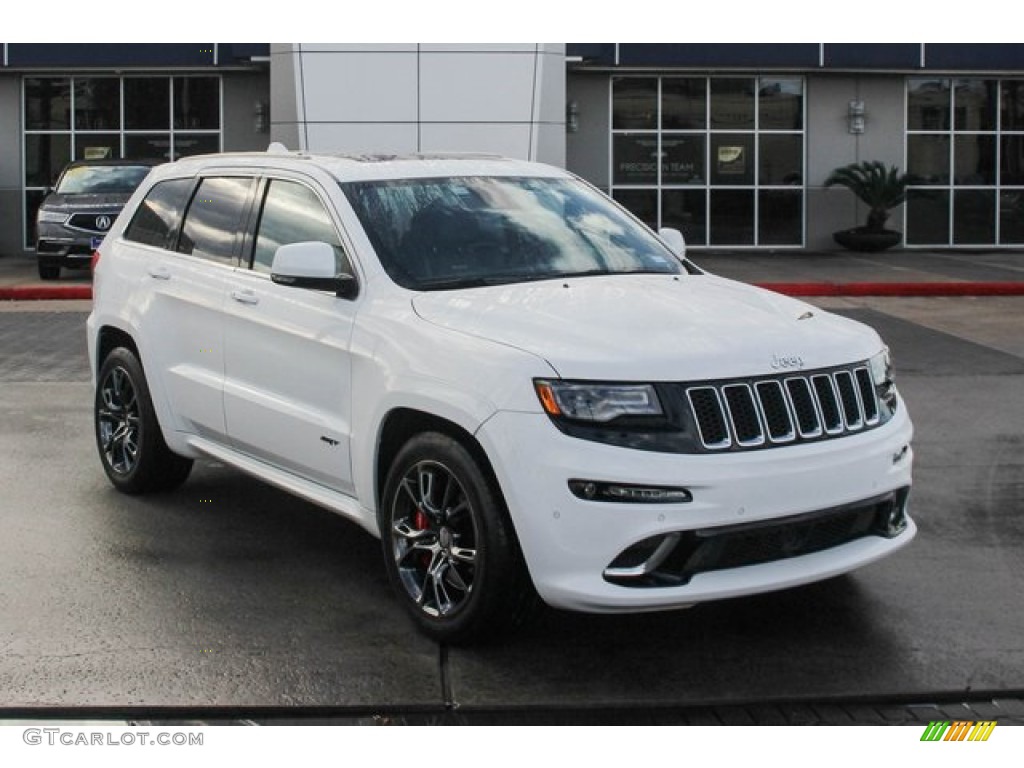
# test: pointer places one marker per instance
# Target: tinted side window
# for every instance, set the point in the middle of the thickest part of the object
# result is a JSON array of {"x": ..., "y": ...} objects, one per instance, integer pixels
[
  {"x": 213, "y": 220},
  {"x": 292, "y": 213},
  {"x": 157, "y": 217}
]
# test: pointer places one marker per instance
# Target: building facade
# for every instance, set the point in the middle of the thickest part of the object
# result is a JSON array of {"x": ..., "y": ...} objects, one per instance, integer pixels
[{"x": 731, "y": 143}]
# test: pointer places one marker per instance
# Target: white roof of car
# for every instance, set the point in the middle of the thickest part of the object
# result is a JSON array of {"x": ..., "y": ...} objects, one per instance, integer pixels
[{"x": 369, "y": 167}]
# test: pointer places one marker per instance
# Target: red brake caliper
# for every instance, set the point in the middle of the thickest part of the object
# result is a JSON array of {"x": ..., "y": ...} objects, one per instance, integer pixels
[{"x": 421, "y": 523}]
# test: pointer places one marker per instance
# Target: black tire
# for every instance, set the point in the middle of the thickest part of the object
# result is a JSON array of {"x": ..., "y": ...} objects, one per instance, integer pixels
[
  {"x": 131, "y": 446},
  {"x": 449, "y": 545},
  {"x": 48, "y": 271}
]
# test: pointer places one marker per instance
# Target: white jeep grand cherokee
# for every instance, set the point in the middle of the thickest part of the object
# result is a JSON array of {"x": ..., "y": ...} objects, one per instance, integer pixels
[{"x": 501, "y": 373}]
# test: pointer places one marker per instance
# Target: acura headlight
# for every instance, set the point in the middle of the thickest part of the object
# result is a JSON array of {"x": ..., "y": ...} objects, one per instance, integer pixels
[
  {"x": 57, "y": 217},
  {"x": 596, "y": 401}
]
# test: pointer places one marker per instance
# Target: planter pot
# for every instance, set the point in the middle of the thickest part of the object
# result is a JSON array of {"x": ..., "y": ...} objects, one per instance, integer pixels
[{"x": 861, "y": 239}]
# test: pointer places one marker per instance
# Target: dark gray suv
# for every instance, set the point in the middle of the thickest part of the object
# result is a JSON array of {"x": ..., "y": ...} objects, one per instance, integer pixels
[{"x": 76, "y": 215}]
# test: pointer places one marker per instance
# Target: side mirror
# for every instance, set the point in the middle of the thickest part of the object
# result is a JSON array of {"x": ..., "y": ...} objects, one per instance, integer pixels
[
  {"x": 311, "y": 265},
  {"x": 674, "y": 239}
]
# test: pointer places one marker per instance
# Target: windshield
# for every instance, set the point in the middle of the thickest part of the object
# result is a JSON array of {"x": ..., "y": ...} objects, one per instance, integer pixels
[
  {"x": 438, "y": 233},
  {"x": 101, "y": 179}
]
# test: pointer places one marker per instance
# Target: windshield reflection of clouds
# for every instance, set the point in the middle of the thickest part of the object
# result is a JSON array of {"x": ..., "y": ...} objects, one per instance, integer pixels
[
  {"x": 102, "y": 179},
  {"x": 440, "y": 231}
]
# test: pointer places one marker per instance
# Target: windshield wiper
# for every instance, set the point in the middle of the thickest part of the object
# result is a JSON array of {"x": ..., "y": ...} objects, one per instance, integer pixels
[{"x": 449, "y": 283}]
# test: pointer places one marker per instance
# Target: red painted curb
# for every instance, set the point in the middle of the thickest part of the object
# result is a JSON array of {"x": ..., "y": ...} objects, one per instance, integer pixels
[
  {"x": 43, "y": 292},
  {"x": 896, "y": 289}
]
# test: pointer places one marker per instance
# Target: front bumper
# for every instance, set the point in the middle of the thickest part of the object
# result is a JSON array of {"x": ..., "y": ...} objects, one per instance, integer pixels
[
  {"x": 569, "y": 543},
  {"x": 61, "y": 246}
]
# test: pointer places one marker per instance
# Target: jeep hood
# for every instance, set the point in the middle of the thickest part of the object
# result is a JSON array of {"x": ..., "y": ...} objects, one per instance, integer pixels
[{"x": 652, "y": 327}]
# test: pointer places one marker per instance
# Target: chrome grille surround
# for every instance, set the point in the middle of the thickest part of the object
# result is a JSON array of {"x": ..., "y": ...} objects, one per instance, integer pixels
[{"x": 762, "y": 412}]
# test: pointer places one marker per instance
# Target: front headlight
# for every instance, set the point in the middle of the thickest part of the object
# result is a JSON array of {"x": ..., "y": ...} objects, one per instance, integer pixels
[
  {"x": 56, "y": 217},
  {"x": 882, "y": 377},
  {"x": 881, "y": 368},
  {"x": 595, "y": 401}
]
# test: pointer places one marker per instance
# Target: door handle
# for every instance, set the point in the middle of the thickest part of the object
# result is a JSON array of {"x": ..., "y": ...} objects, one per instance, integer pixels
[
  {"x": 159, "y": 273},
  {"x": 245, "y": 297}
]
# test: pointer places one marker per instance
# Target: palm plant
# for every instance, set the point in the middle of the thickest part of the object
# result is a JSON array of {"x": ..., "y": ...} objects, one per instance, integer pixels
[{"x": 880, "y": 188}]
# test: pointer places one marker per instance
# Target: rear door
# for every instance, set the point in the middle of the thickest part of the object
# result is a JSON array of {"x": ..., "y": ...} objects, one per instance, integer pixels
[
  {"x": 187, "y": 280},
  {"x": 287, "y": 388}
]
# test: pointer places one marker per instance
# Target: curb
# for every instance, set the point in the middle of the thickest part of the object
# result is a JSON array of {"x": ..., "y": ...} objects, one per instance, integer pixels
[{"x": 44, "y": 292}]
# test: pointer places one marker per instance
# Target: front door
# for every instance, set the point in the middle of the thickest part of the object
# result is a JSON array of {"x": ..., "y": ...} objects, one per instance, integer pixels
[{"x": 287, "y": 391}]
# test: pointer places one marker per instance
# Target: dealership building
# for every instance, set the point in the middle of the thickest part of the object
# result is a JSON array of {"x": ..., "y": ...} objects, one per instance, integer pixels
[{"x": 731, "y": 143}]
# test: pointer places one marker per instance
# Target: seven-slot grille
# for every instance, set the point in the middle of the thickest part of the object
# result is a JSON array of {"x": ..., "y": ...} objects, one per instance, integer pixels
[{"x": 754, "y": 413}]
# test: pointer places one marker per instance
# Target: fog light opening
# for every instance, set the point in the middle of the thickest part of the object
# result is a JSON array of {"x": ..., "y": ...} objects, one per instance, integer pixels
[
  {"x": 641, "y": 558},
  {"x": 893, "y": 517}
]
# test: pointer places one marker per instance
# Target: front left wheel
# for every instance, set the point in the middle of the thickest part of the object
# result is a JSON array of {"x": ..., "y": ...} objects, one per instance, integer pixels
[
  {"x": 449, "y": 545},
  {"x": 131, "y": 446}
]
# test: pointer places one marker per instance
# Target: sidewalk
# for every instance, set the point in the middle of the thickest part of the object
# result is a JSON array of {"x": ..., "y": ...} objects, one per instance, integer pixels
[{"x": 833, "y": 273}]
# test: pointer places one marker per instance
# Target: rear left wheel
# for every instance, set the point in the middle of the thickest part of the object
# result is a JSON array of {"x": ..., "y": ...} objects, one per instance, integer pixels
[{"x": 131, "y": 446}]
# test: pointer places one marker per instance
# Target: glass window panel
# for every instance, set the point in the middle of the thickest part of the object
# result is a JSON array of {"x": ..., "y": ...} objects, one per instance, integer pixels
[
  {"x": 45, "y": 157},
  {"x": 928, "y": 158},
  {"x": 635, "y": 158},
  {"x": 634, "y": 102},
  {"x": 684, "y": 103},
  {"x": 974, "y": 159},
  {"x": 292, "y": 213},
  {"x": 732, "y": 158},
  {"x": 97, "y": 103},
  {"x": 197, "y": 103},
  {"x": 1011, "y": 216},
  {"x": 927, "y": 105},
  {"x": 147, "y": 103},
  {"x": 642, "y": 203},
  {"x": 156, "y": 220},
  {"x": 682, "y": 159},
  {"x": 975, "y": 105},
  {"x": 1012, "y": 118},
  {"x": 47, "y": 103},
  {"x": 780, "y": 217},
  {"x": 781, "y": 159},
  {"x": 686, "y": 210},
  {"x": 147, "y": 146},
  {"x": 732, "y": 102},
  {"x": 781, "y": 103},
  {"x": 97, "y": 146},
  {"x": 927, "y": 217},
  {"x": 186, "y": 144},
  {"x": 974, "y": 216},
  {"x": 213, "y": 218},
  {"x": 33, "y": 199},
  {"x": 1012, "y": 160},
  {"x": 732, "y": 217}
]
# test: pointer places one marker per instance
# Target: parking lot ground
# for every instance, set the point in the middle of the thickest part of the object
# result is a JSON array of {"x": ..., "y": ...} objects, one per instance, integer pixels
[{"x": 227, "y": 596}]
